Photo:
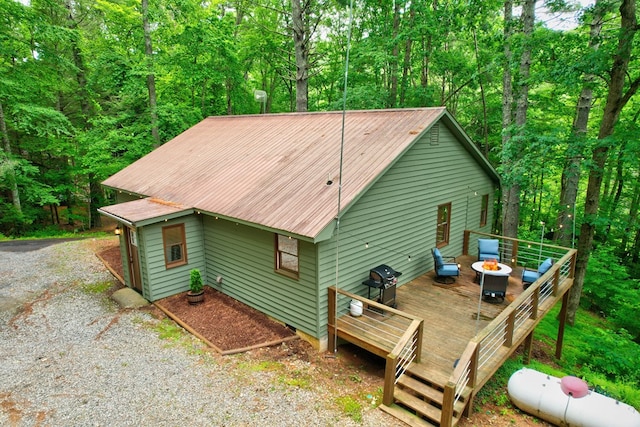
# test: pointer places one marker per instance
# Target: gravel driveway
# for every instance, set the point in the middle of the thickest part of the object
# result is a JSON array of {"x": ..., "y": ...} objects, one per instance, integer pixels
[{"x": 70, "y": 357}]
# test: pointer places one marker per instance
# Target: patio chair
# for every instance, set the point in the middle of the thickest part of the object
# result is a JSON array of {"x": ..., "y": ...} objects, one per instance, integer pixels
[
  {"x": 529, "y": 276},
  {"x": 446, "y": 272},
  {"x": 488, "y": 249},
  {"x": 494, "y": 287}
]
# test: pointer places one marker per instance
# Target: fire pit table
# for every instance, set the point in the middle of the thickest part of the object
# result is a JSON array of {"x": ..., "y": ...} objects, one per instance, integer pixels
[{"x": 503, "y": 269}]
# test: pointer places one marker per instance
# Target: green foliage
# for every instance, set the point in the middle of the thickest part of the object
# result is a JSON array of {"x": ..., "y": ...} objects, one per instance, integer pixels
[
  {"x": 594, "y": 351},
  {"x": 195, "y": 281},
  {"x": 606, "y": 278},
  {"x": 96, "y": 288},
  {"x": 350, "y": 407}
]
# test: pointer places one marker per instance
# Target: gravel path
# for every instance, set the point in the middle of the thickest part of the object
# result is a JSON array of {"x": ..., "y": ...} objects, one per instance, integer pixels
[{"x": 70, "y": 357}]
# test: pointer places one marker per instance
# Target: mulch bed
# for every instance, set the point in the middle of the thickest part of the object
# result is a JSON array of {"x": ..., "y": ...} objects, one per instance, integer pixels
[{"x": 225, "y": 324}]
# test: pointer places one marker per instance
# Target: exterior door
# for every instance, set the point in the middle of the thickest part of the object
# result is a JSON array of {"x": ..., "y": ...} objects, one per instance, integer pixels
[{"x": 134, "y": 260}]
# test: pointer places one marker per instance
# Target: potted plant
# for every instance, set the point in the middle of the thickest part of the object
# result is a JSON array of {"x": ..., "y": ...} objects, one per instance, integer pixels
[{"x": 196, "y": 288}]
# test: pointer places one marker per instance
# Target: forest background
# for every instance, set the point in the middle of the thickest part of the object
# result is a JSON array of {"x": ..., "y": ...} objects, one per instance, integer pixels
[{"x": 89, "y": 86}]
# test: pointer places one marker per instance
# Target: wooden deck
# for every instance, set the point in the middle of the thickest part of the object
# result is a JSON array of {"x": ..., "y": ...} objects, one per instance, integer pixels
[
  {"x": 439, "y": 352},
  {"x": 449, "y": 313}
]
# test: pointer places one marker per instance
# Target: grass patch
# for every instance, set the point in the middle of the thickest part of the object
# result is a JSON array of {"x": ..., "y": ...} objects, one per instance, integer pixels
[
  {"x": 54, "y": 233},
  {"x": 593, "y": 350},
  {"x": 350, "y": 407},
  {"x": 298, "y": 379},
  {"x": 96, "y": 288}
]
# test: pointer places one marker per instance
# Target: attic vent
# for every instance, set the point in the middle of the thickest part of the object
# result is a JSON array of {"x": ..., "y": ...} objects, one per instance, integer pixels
[{"x": 435, "y": 134}]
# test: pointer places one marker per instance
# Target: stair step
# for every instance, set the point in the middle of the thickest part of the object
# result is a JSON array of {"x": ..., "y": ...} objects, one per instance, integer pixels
[
  {"x": 431, "y": 376},
  {"x": 405, "y": 416},
  {"x": 421, "y": 388},
  {"x": 418, "y": 405}
]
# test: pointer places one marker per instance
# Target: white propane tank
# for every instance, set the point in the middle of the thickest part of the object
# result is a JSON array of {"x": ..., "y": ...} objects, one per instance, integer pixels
[
  {"x": 355, "y": 308},
  {"x": 543, "y": 396}
]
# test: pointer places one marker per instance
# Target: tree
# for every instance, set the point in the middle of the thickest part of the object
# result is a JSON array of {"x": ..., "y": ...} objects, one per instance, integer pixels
[
  {"x": 617, "y": 98},
  {"x": 514, "y": 146},
  {"x": 575, "y": 151}
]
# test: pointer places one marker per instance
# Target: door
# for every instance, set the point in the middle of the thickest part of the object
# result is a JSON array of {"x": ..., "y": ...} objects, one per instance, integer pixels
[{"x": 134, "y": 260}]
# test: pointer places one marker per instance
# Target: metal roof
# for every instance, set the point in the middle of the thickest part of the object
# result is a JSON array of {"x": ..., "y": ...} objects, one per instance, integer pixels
[
  {"x": 137, "y": 212},
  {"x": 272, "y": 170}
]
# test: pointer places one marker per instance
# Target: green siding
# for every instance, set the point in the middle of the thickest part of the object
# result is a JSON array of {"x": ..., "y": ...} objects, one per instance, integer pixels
[
  {"x": 397, "y": 216},
  {"x": 158, "y": 281},
  {"x": 244, "y": 257},
  {"x": 122, "y": 240}
]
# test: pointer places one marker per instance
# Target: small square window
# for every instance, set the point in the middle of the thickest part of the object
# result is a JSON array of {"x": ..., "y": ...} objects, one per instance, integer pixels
[
  {"x": 287, "y": 261},
  {"x": 174, "y": 241}
]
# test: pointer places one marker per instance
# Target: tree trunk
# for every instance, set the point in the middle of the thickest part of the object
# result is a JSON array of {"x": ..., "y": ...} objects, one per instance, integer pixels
[
  {"x": 151, "y": 80},
  {"x": 11, "y": 174},
  {"x": 514, "y": 152},
  {"x": 616, "y": 100},
  {"x": 302, "y": 56},
  {"x": 483, "y": 98},
  {"x": 406, "y": 66},
  {"x": 566, "y": 223},
  {"x": 395, "y": 52},
  {"x": 507, "y": 108}
]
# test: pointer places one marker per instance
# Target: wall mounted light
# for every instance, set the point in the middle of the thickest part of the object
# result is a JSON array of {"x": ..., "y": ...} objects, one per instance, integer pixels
[{"x": 118, "y": 230}]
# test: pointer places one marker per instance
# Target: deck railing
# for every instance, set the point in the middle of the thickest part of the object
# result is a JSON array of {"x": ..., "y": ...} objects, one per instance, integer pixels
[
  {"x": 403, "y": 340},
  {"x": 485, "y": 352},
  {"x": 489, "y": 349}
]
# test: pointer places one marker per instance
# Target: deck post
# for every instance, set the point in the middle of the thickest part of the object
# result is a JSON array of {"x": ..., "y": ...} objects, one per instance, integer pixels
[
  {"x": 528, "y": 344},
  {"x": 563, "y": 320},
  {"x": 514, "y": 253},
  {"x": 389, "y": 380},
  {"x": 449, "y": 395},
  {"x": 419, "y": 343},
  {"x": 332, "y": 304},
  {"x": 465, "y": 242},
  {"x": 508, "y": 339}
]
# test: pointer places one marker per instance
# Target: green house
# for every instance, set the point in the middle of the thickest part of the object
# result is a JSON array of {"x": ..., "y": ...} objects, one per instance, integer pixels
[{"x": 276, "y": 208}]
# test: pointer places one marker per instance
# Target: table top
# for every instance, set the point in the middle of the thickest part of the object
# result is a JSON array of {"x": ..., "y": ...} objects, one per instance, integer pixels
[{"x": 504, "y": 270}]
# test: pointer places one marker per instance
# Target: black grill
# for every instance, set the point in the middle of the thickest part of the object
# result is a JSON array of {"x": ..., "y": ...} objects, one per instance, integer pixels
[{"x": 383, "y": 278}]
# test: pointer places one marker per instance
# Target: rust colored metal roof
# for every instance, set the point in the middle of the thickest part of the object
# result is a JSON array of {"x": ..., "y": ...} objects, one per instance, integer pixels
[
  {"x": 272, "y": 169},
  {"x": 138, "y": 211}
]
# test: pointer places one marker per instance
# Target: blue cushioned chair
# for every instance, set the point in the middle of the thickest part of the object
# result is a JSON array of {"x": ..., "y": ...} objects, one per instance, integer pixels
[
  {"x": 488, "y": 249},
  {"x": 530, "y": 276},
  {"x": 446, "y": 272}
]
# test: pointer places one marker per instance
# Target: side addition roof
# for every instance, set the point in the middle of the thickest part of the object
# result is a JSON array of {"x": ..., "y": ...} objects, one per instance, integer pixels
[{"x": 273, "y": 170}]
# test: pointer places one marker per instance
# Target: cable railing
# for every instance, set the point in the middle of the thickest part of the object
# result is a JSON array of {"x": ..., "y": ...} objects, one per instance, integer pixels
[{"x": 385, "y": 331}]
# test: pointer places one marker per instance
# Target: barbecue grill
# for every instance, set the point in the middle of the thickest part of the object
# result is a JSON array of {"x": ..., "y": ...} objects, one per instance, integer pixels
[{"x": 384, "y": 279}]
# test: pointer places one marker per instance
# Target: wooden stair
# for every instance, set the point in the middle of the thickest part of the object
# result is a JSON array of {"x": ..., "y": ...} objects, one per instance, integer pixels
[{"x": 418, "y": 397}]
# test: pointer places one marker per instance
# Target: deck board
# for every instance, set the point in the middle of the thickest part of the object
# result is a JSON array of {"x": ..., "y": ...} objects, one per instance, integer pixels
[{"x": 449, "y": 313}]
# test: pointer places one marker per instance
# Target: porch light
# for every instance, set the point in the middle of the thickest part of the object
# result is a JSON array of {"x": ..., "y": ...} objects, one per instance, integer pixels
[{"x": 118, "y": 230}]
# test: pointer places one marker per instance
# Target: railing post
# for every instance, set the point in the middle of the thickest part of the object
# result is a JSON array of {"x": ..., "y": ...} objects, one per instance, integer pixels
[
  {"x": 389, "y": 380},
  {"x": 563, "y": 320},
  {"x": 535, "y": 302},
  {"x": 449, "y": 396},
  {"x": 514, "y": 255},
  {"x": 419, "y": 342},
  {"x": 511, "y": 321},
  {"x": 332, "y": 304}
]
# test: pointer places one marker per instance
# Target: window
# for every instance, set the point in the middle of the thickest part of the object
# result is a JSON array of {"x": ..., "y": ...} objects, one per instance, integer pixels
[
  {"x": 174, "y": 241},
  {"x": 484, "y": 210},
  {"x": 444, "y": 225},
  {"x": 287, "y": 256}
]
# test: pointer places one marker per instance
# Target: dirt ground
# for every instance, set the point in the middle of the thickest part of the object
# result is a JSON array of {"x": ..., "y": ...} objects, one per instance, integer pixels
[{"x": 231, "y": 325}]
